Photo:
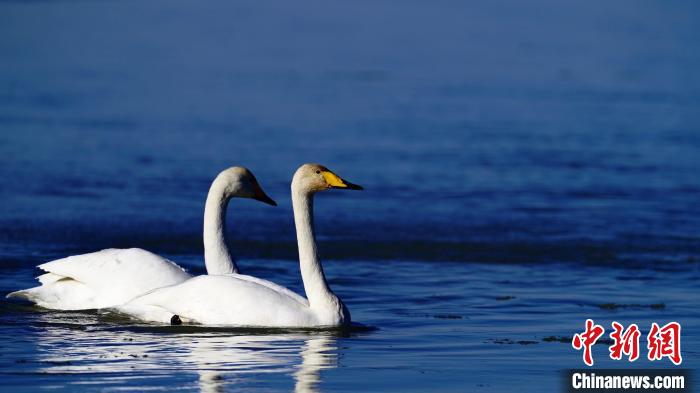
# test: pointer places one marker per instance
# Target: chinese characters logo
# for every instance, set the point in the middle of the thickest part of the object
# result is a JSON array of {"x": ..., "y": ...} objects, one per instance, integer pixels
[{"x": 662, "y": 342}]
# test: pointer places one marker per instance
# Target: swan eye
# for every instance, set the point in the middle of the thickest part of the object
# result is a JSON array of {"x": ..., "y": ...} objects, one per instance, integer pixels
[{"x": 318, "y": 172}]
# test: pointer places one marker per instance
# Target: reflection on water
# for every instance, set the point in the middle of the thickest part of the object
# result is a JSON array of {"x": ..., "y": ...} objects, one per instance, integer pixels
[
  {"x": 219, "y": 359},
  {"x": 75, "y": 343},
  {"x": 317, "y": 354}
]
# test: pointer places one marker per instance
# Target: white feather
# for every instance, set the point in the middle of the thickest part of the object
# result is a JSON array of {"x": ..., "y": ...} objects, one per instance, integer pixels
[{"x": 101, "y": 279}]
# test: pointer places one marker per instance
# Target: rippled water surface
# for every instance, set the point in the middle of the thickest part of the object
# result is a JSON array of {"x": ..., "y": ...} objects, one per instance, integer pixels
[{"x": 526, "y": 165}]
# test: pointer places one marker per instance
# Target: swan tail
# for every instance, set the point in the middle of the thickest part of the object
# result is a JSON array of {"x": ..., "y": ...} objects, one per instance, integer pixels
[
  {"x": 33, "y": 295},
  {"x": 62, "y": 294},
  {"x": 24, "y": 294}
]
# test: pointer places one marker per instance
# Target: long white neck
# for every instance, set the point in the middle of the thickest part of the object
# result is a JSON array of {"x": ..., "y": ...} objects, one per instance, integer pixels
[
  {"x": 315, "y": 286},
  {"x": 216, "y": 253}
]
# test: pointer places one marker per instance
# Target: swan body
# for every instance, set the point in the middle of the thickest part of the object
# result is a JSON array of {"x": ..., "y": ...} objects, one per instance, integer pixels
[
  {"x": 200, "y": 300},
  {"x": 239, "y": 300},
  {"x": 112, "y": 277}
]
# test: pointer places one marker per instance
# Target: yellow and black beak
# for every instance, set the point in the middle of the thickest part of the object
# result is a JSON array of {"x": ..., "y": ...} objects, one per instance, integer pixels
[
  {"x": 262, "y": 197},
  {"x": 335, "y": 181}
]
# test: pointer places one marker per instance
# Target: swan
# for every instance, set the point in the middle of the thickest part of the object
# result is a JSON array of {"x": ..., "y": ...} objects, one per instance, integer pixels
[
  {"x": 114, "y": 276},
  {"x": 239, "y": 300}
]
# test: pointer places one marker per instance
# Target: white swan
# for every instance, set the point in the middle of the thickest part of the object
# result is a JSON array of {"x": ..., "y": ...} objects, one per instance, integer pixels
[
  {"x": 238, "y": 300},
  {"x": 114, "y": 276}
]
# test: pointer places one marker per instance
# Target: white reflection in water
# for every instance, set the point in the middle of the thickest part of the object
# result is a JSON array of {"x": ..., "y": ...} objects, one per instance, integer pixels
[
  {"x": 319, "y": 353},
  {"x": 220, "y": 359}
]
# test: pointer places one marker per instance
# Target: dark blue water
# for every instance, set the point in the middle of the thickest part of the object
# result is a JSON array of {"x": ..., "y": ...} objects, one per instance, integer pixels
[{"x": 526, "y": 165}]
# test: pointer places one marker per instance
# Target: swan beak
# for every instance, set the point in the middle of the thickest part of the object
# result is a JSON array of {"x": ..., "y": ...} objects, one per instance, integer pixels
[
  {"x": 334, "y": 181},
  {"x": 262, "y": 197}
]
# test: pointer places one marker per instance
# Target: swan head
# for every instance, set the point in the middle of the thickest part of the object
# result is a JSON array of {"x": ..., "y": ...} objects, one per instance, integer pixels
[
  {"x": 315, "y": 177},
  {"x": 241, "y": 183}
]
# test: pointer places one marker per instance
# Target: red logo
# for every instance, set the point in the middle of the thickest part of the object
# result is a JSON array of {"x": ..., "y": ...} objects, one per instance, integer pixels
[{"x": 662, "y": 342}]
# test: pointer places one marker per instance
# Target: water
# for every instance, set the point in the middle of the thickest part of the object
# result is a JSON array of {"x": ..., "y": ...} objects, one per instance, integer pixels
[{"x": 527, "y": 166}]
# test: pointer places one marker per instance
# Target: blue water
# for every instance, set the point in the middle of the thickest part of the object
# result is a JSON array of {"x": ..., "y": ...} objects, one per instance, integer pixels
[{"x": 527, "y": 165}]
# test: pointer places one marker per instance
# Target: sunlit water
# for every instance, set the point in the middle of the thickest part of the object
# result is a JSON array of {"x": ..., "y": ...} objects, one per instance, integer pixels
[{"x": 527, "y": 165}]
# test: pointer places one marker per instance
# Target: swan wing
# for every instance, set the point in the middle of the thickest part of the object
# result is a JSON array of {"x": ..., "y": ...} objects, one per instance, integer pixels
[
  {"x": 229, "y": 300},
  {"x": 101, "y": 279}
]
